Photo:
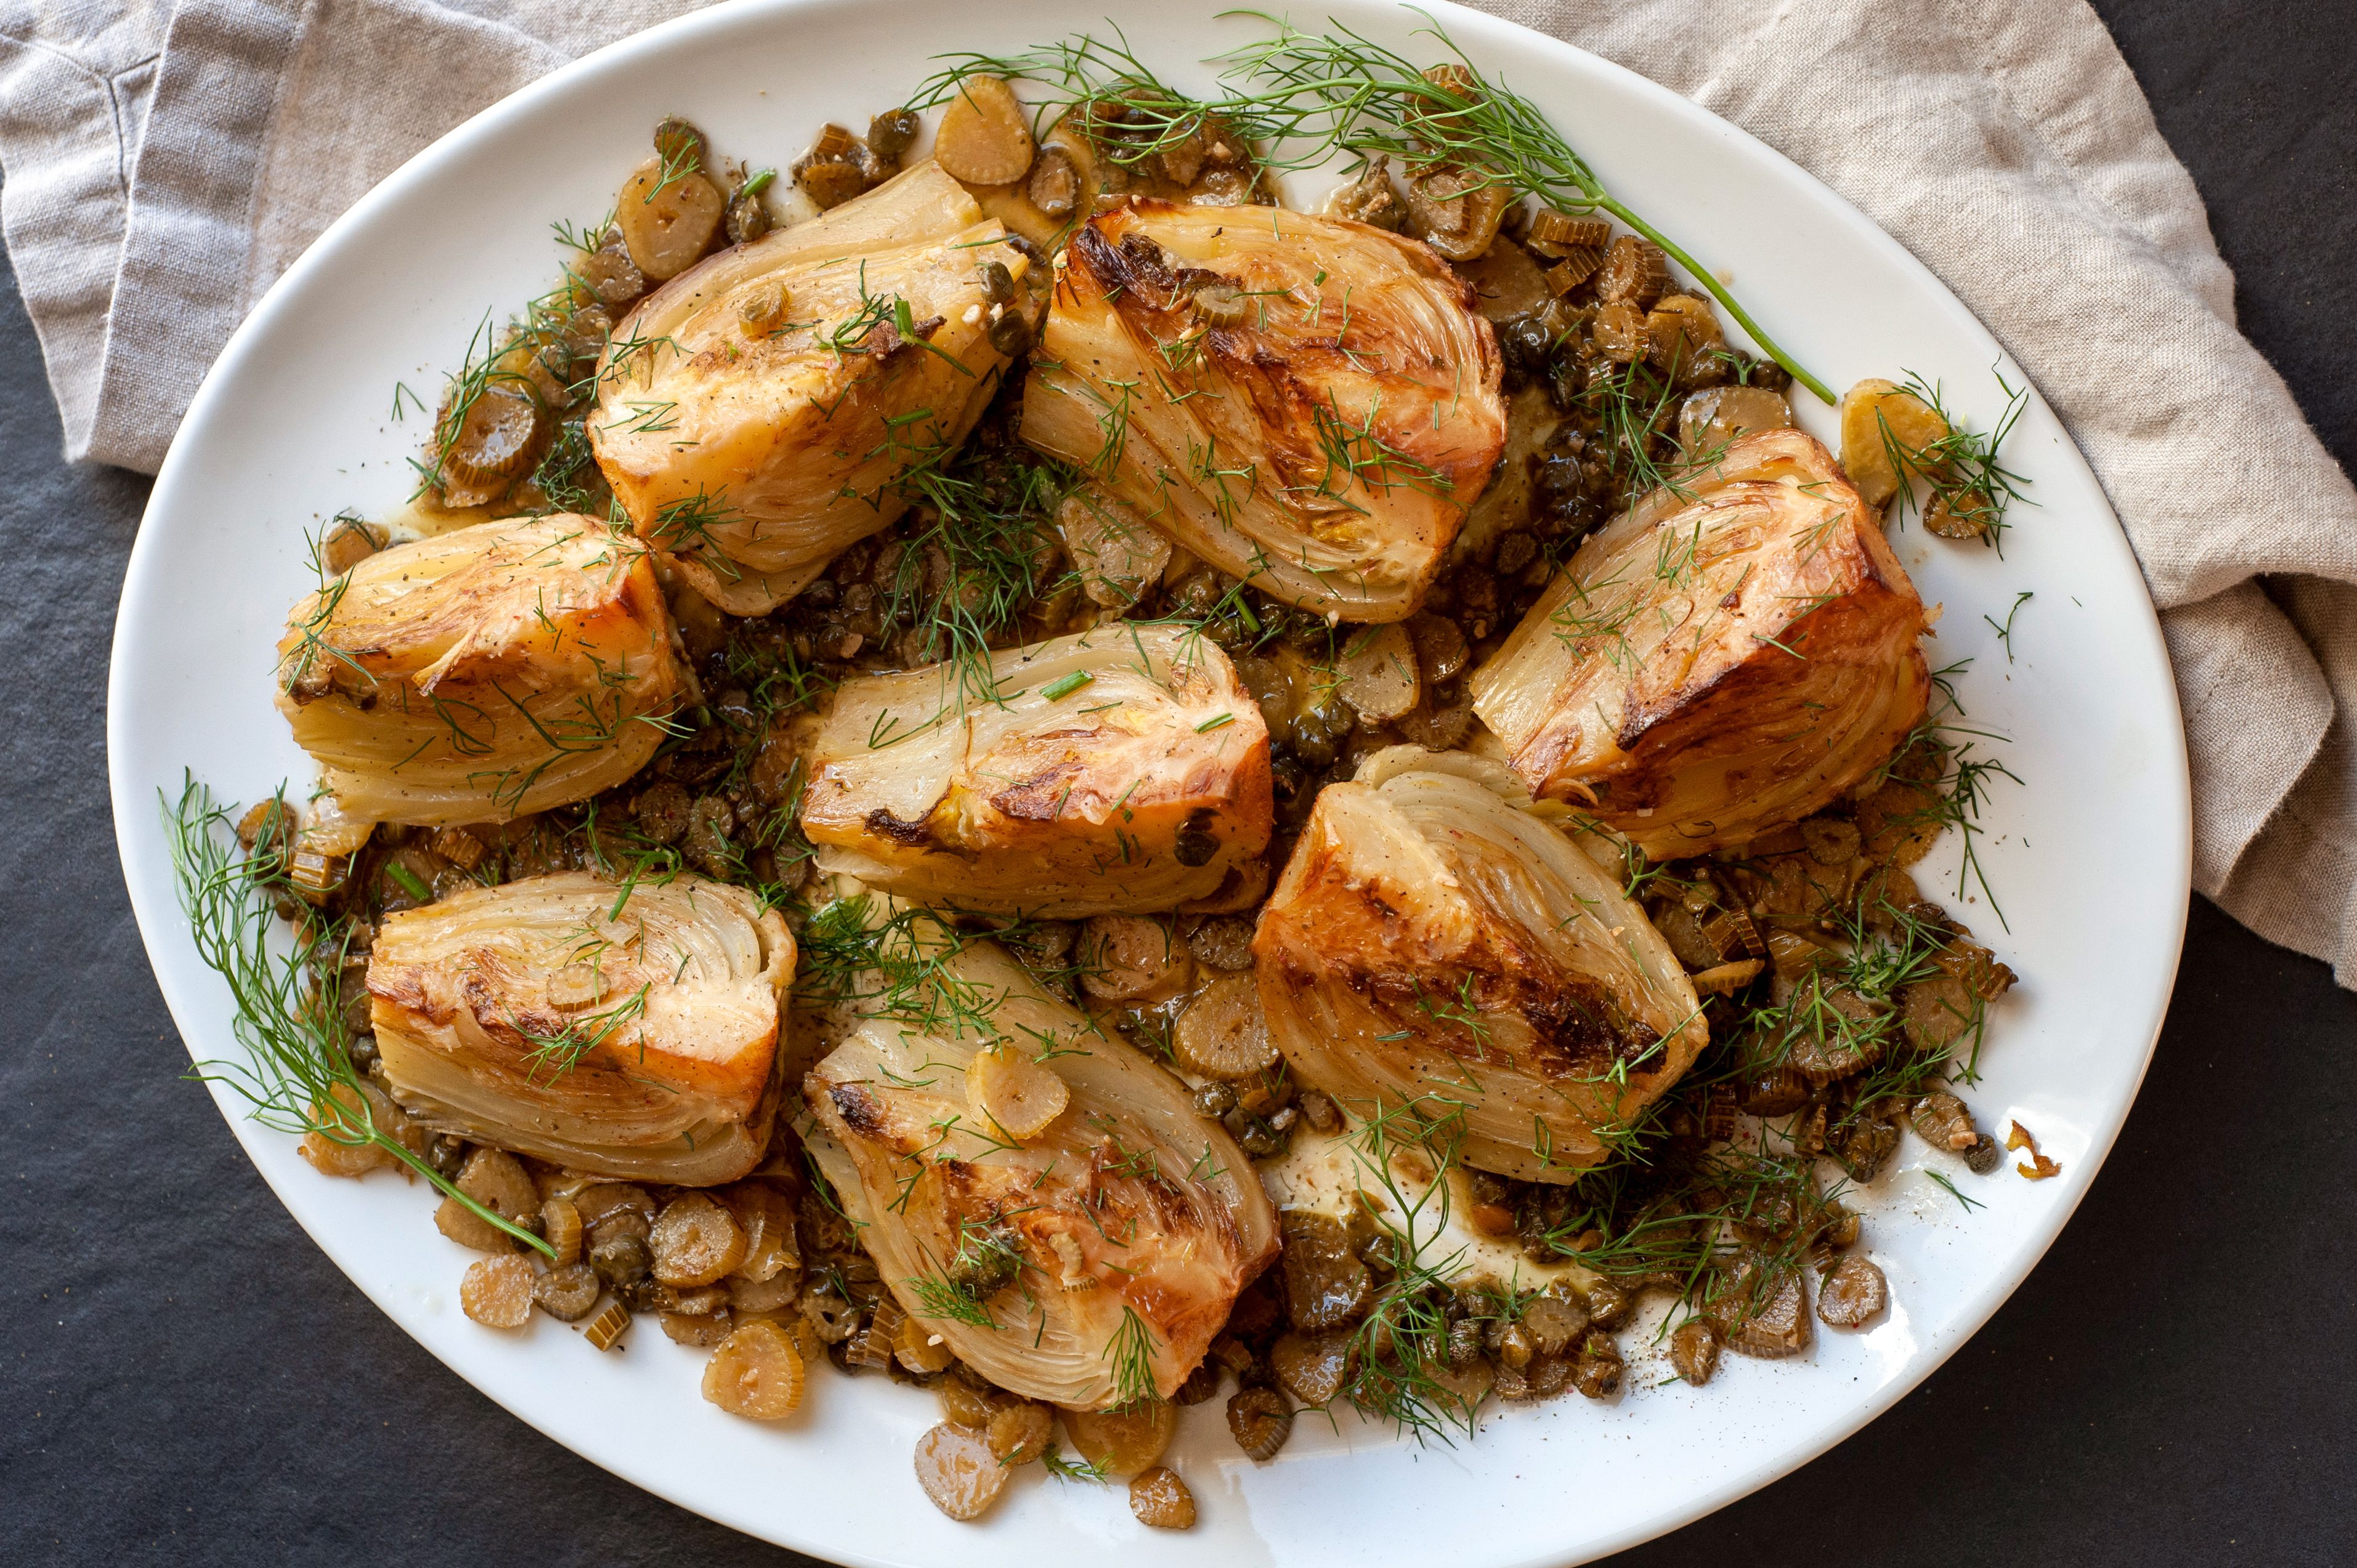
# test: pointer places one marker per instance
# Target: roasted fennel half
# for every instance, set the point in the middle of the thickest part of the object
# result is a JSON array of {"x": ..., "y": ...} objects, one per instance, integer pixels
[
  {"x": 1433, "y": 943},
  {"x": 1721, "y": 659},
  {"x": 1311, "y": 404},
  {"x": 627, "y": 1033},
  {"x": 1035, "y": 1188},
  {"x": 756, "y": 412},
  {"x": 483, "y": 673},
  {"x": 1121, "y": 769}
]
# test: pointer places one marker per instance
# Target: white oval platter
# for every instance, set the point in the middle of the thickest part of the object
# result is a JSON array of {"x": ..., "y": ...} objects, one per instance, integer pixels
[{"x": 2088, "y": 853}]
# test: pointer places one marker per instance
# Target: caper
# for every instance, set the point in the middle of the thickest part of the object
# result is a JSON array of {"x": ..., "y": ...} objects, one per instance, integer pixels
[
  {"x": 1224, "y": 942},
  {"x": 1567, "y": 380},
  {"x": 1512, "y": 1344},
  {"x": 1597, "y": 1372},
  {"x": 1215, "y": 1099},
  {"x": 985, "y": 1264},
  {"x": 890, "y": 133},
  {"x": 764, "y": 309},
  {"x": 663, "y": 811},
  {"x": 1516, "y": 551},
  {"x": 363, "y": 1054},
  {"x": 1867, "y": 1146},
  {"x": 1608, "y": 1304},
  {"x": 1256, "y": 1137},
  {"x": 1306, "y": 633},
  {"x": 998, "y": 283},
  {"x": 748, "y": 219},
  {"x": 1464, "y": 1343},
  {"x": 621, "y": 1260},
  {"x": 1010, "y": 334},
  {"x": 1194, "y": 597},
  {"x": 1325, "y": 1284},
  {"x": 1559, "y": 478},
  {"x": 708, "y": 847},
  {"x": 681, "y": 146},
  {"x": 1309, "y": 742},
  {"x": 1568, "y": 519},
  {"x": 1525, "y": 343},
  {"x": 1195, "y": 846},
  {"x": 1693, "y": 1351},
  {"x": 448, "y": 1155}
]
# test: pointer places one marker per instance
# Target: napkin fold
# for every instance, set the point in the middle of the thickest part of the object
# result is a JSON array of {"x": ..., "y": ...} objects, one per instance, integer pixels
[{"x": 164, "y": 163}]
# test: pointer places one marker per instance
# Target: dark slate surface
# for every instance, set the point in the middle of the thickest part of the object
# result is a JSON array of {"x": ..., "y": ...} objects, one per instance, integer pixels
[{"x": 185, "y": 1379}]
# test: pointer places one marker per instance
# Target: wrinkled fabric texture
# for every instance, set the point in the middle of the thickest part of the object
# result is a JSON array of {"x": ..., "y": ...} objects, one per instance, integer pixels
[
  {"x": 165, "y": 163},
  {"x": 176, "y": 158},
  {"x": 2007, "y": 145}
]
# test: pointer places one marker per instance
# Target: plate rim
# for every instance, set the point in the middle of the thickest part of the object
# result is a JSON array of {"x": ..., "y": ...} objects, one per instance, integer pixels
[{"x": 1483, "y": 33}]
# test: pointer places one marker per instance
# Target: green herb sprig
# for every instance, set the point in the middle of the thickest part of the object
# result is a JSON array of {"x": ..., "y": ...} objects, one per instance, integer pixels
[
  {"x": 1307, "y": 97},
  {"x": 1065, "y": 1469},
  {"x": 981, "y": 518},
  {"x": 559, "y": 1051},
  {"x": 1961, "y": 471},
  {"x": 1399, "y": 1351},
  {"x": 297, "y": 1073},
  {"x": 1318, "y": 94},
  {"x": 899, "y": 964},
  {"x": 1964, "y": 780},
  {"x": 1130, "y": 1352}
]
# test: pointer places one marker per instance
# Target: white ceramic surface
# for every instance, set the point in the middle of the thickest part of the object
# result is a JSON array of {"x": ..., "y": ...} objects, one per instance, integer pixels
[{"x": 2088, "y": 854}]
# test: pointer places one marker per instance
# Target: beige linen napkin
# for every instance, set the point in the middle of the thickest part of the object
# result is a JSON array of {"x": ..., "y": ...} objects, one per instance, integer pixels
[{"x": 161, "y": 170}]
